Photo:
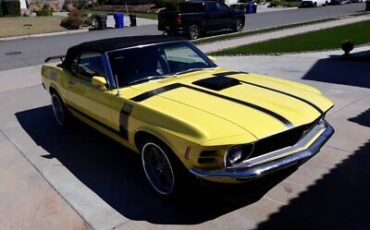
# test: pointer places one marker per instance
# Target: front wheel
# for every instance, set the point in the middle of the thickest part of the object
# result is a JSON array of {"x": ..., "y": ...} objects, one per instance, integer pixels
[
  {"x": 194, "y": 32},
  {"x": 160, "y": 167}
]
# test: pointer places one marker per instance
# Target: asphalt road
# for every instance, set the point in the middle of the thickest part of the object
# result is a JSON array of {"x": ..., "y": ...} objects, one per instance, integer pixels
[{"x": 34, "y": 51}]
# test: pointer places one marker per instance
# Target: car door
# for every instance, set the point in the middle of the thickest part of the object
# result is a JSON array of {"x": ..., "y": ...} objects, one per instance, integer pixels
[
  {"x": 84, "y": 98},
  {"x": 225, "y": 16},
  {"x": 212, "y": 17}
]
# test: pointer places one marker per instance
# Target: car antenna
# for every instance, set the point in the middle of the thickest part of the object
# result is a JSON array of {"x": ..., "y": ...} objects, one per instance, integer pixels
[{"x": 117, "y": 84}]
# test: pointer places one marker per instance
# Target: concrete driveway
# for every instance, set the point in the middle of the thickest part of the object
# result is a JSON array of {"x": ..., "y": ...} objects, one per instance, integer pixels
[{"x": 77, "y": 179}]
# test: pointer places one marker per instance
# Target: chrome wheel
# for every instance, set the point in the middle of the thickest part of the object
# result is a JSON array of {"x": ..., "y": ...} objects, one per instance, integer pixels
[
  {"x": 58, "y": 109},
  {"x": 194, "y": 32},
  {"x": 158, "y": 168}
]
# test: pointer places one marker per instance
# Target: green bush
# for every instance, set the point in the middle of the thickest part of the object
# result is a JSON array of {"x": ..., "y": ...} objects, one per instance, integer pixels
[
  {"x": 170, "y": 5},
  {"x": 284, "y": 3},
  {"x": 74, "y": 20},
  {"x": 1, "y": 8},
  {"x": 11, "y": 7},
  {"x": 44, "y": 13}
]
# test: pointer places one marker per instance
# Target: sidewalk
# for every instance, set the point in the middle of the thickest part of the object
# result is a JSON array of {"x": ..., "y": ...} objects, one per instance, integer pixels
[{"x": 225, "y": 44}]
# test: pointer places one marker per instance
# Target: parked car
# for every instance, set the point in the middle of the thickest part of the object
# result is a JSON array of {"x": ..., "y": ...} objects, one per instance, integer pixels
[
  {"x": 314, "y": 3},
  {"x": 196, "y": 18},
  {"x": 163, "y": 98}
]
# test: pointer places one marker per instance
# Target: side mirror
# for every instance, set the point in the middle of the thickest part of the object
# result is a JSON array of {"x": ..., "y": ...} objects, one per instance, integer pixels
[
  {"x": 99, "y": 82},
  {"x": 213, "y": 59}
]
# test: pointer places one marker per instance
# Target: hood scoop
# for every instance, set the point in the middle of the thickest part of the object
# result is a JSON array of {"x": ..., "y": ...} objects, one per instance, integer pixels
[{"x": 217, "y": 83}]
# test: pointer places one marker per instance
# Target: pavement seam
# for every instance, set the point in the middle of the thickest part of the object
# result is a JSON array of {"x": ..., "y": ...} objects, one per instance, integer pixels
[
  {"x": 275, "y": 201},
  {"x": 121, "y": 224},
  {"x": 42, "y": 175},
  {"x": 341, "y": 150}
]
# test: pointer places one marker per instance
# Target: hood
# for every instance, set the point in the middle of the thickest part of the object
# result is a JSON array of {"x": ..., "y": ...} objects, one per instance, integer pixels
[{"x": 259, "y": 105}]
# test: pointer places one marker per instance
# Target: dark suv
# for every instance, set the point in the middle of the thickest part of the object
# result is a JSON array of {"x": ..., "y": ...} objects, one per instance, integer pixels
[{"x": 199, "y": 17}]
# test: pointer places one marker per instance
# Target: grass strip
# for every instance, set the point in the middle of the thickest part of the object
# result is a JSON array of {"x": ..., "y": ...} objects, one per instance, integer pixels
[
  {"x": 325, "y": 39},
  {"x": 152, "y": 16},
  {"x": 16, "y": 26},
  {"x": 249, "y": 33}
]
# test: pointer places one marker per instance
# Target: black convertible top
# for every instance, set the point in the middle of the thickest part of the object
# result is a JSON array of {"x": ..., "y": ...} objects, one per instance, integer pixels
[
  {"x": 123, "y": 42},
  {"x": 110, "y": 44}
]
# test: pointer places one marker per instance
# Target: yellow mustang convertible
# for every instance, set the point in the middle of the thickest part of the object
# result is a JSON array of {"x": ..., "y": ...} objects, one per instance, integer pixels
[{"x": 165, "y": 99}]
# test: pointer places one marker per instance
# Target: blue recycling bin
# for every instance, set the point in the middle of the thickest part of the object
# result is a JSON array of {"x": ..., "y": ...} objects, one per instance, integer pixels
[
  {"x": 118, "y": 18},
  {"x": 251, "y": 7}
]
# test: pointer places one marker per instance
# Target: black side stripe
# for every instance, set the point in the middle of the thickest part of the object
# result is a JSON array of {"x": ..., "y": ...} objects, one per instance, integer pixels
[
  {"x": 122, "y": 133},
  {"x": 225, "y": 74},
  {"x": 152, "y": 93}
]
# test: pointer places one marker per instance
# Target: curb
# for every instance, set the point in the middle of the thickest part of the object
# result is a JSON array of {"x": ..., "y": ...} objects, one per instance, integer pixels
[{"x": 44, "y": 34}]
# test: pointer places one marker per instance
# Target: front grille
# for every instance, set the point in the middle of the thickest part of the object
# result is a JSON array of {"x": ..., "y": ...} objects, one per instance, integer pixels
[
  {"x": 207, "y": 157},
  {"x": 280, "y": 140}
]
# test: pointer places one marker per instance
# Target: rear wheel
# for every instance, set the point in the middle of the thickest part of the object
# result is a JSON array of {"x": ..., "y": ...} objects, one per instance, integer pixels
[
  {"x": 238, "y": 25},
  {"x": 194, "y": 32},
  {"x": 60, "y": 111}
]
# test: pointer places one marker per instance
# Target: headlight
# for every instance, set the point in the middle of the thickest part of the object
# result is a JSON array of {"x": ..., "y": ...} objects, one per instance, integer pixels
[{"x": 237, "y": 153}]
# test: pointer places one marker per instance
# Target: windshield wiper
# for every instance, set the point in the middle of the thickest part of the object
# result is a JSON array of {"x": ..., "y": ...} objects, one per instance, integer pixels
[
  {"x": 141, "y": 80},
  {"x": 188, "y": 71}
]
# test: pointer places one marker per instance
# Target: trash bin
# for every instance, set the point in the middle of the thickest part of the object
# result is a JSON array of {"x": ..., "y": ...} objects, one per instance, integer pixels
[
  {"x": 367, "y": 5},
  {"x": 132, "y": 20},
  {"x": 251, "y": 7},
  {"x": 254, "y": 8},
  {"x": 118, "y": 18},
  {"x": 102, "y": 21}
]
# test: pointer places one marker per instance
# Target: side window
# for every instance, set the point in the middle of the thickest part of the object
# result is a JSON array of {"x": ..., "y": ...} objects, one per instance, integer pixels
[
  {"x": 222, "y": 8},
  {"x": 212, "y": 7},
  {"x": 90, "y": 64}
]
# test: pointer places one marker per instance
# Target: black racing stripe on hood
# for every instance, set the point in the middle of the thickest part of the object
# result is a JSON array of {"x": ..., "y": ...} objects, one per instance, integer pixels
[
  {"x": 225, "y": 74},
  {"x": 155, "y": 92}
]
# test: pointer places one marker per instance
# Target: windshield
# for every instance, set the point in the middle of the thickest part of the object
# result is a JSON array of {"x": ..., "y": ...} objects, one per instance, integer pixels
[{"x": 140, "y": 64}]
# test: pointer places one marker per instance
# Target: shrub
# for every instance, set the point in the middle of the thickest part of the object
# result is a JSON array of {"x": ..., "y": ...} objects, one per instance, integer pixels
[
  {"x": 54, "y": 8},
  {"x": 44, "y": 13},
  {"x": 11, "y": 7},
  {"x": 1, "y": 9},
  {"x": 74, "y": 20},
  {"x": 284, "y": 3},
  {"x": 347, "y": 47},
  {"x": 170, "y": 5}
]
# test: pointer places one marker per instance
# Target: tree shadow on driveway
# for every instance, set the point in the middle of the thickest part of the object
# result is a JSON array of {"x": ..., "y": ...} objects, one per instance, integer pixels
[
  {"x": 352, "y": 71},
  {"x": 339, "y": 200},
  {"x": 115, "y": 174}
]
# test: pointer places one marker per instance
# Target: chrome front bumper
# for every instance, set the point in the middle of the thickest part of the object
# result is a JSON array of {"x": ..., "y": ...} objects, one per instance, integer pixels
[{"x": 308, "y": 146}]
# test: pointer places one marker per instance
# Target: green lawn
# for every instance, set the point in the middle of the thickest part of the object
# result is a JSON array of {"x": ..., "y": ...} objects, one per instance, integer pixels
[
  {"x": 152, "y": 16},
  {"x": 313, "y": 41},
  {"x": 249, "y": 33}
]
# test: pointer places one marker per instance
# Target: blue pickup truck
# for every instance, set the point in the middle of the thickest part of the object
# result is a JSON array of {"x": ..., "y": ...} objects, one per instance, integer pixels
[{"x": 196, "y": 18}]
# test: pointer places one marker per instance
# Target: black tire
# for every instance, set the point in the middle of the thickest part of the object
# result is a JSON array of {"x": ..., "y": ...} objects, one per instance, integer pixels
[
  {"x": 239, "y": 25},
  {"x": 194, "y": 32},
  {"x": 170, "y": 33},
  {"x": 60, "y": 112},
  {"x": 164, "y": 171}
]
